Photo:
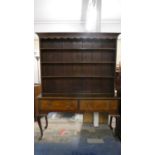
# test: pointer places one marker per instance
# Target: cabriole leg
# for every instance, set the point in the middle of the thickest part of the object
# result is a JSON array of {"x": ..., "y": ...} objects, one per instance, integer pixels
[
  {"x": 46, "y": 119},
  {"x": 40, "y": 127}
]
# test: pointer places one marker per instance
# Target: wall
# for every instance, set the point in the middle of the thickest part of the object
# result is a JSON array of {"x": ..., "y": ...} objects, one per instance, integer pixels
[{"x": 71, "y": 15}]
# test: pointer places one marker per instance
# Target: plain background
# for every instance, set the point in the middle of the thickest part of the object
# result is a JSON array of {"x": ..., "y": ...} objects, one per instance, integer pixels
[{"x": 17, "y": 77}]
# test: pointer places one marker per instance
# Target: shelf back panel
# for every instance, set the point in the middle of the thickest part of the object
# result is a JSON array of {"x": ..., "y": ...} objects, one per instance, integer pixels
[{"x": 78, "y": 63}]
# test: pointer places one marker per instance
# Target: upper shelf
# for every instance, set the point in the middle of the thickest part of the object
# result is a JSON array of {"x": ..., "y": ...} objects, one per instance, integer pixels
[
  {"x": 103, "y": 62},
  {"x": 78, "y": 77},
  {"x": 78, "y": 49}
]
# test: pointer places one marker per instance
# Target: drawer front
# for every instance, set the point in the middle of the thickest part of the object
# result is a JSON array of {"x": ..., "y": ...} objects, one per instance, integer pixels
[
  {"x": 57, "y": 105},
  {"x": 99, "y": 105}
]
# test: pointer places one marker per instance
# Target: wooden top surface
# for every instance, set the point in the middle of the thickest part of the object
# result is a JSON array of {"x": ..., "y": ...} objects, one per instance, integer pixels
[{"x": 78, "y": 97}]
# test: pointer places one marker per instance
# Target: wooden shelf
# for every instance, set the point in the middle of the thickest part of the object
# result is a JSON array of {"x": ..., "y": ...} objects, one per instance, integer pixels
[
  {"x": 77, "y": 49},
  {"x": 77, "y": 76},
  {"x": 79, "y": 95},
  {"x": 106, "y": 62}
]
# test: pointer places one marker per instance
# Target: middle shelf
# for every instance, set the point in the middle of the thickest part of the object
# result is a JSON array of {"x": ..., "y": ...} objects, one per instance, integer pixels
[
  {"x": 77, "y": 76},
  {"x": 103, "y": 62}
]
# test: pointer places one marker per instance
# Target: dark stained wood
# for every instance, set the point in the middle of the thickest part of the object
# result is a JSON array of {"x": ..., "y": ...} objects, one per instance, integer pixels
[
  {"x": 78, "y": 63},
  {"x": 77, "y": 35},
  {"x": 40, "y": 126},
  {"x": 78, "y": 73},
  {"x": 46, "y": 122},
  {"x": 37, "y": 91}
]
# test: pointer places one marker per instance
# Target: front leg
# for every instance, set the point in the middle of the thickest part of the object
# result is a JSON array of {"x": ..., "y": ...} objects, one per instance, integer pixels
[
  {"x": 40, "y": 127},
  {"x": 46, "y": 119}
]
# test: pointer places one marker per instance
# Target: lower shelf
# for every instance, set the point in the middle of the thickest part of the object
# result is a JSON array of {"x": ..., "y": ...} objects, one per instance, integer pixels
[{"x": 78, "y": 95}]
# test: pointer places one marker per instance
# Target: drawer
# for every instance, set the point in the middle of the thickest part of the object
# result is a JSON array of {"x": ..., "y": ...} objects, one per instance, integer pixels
[
  {"x": 98, "y": 105},
  {"x": 58, "y": 105}
]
